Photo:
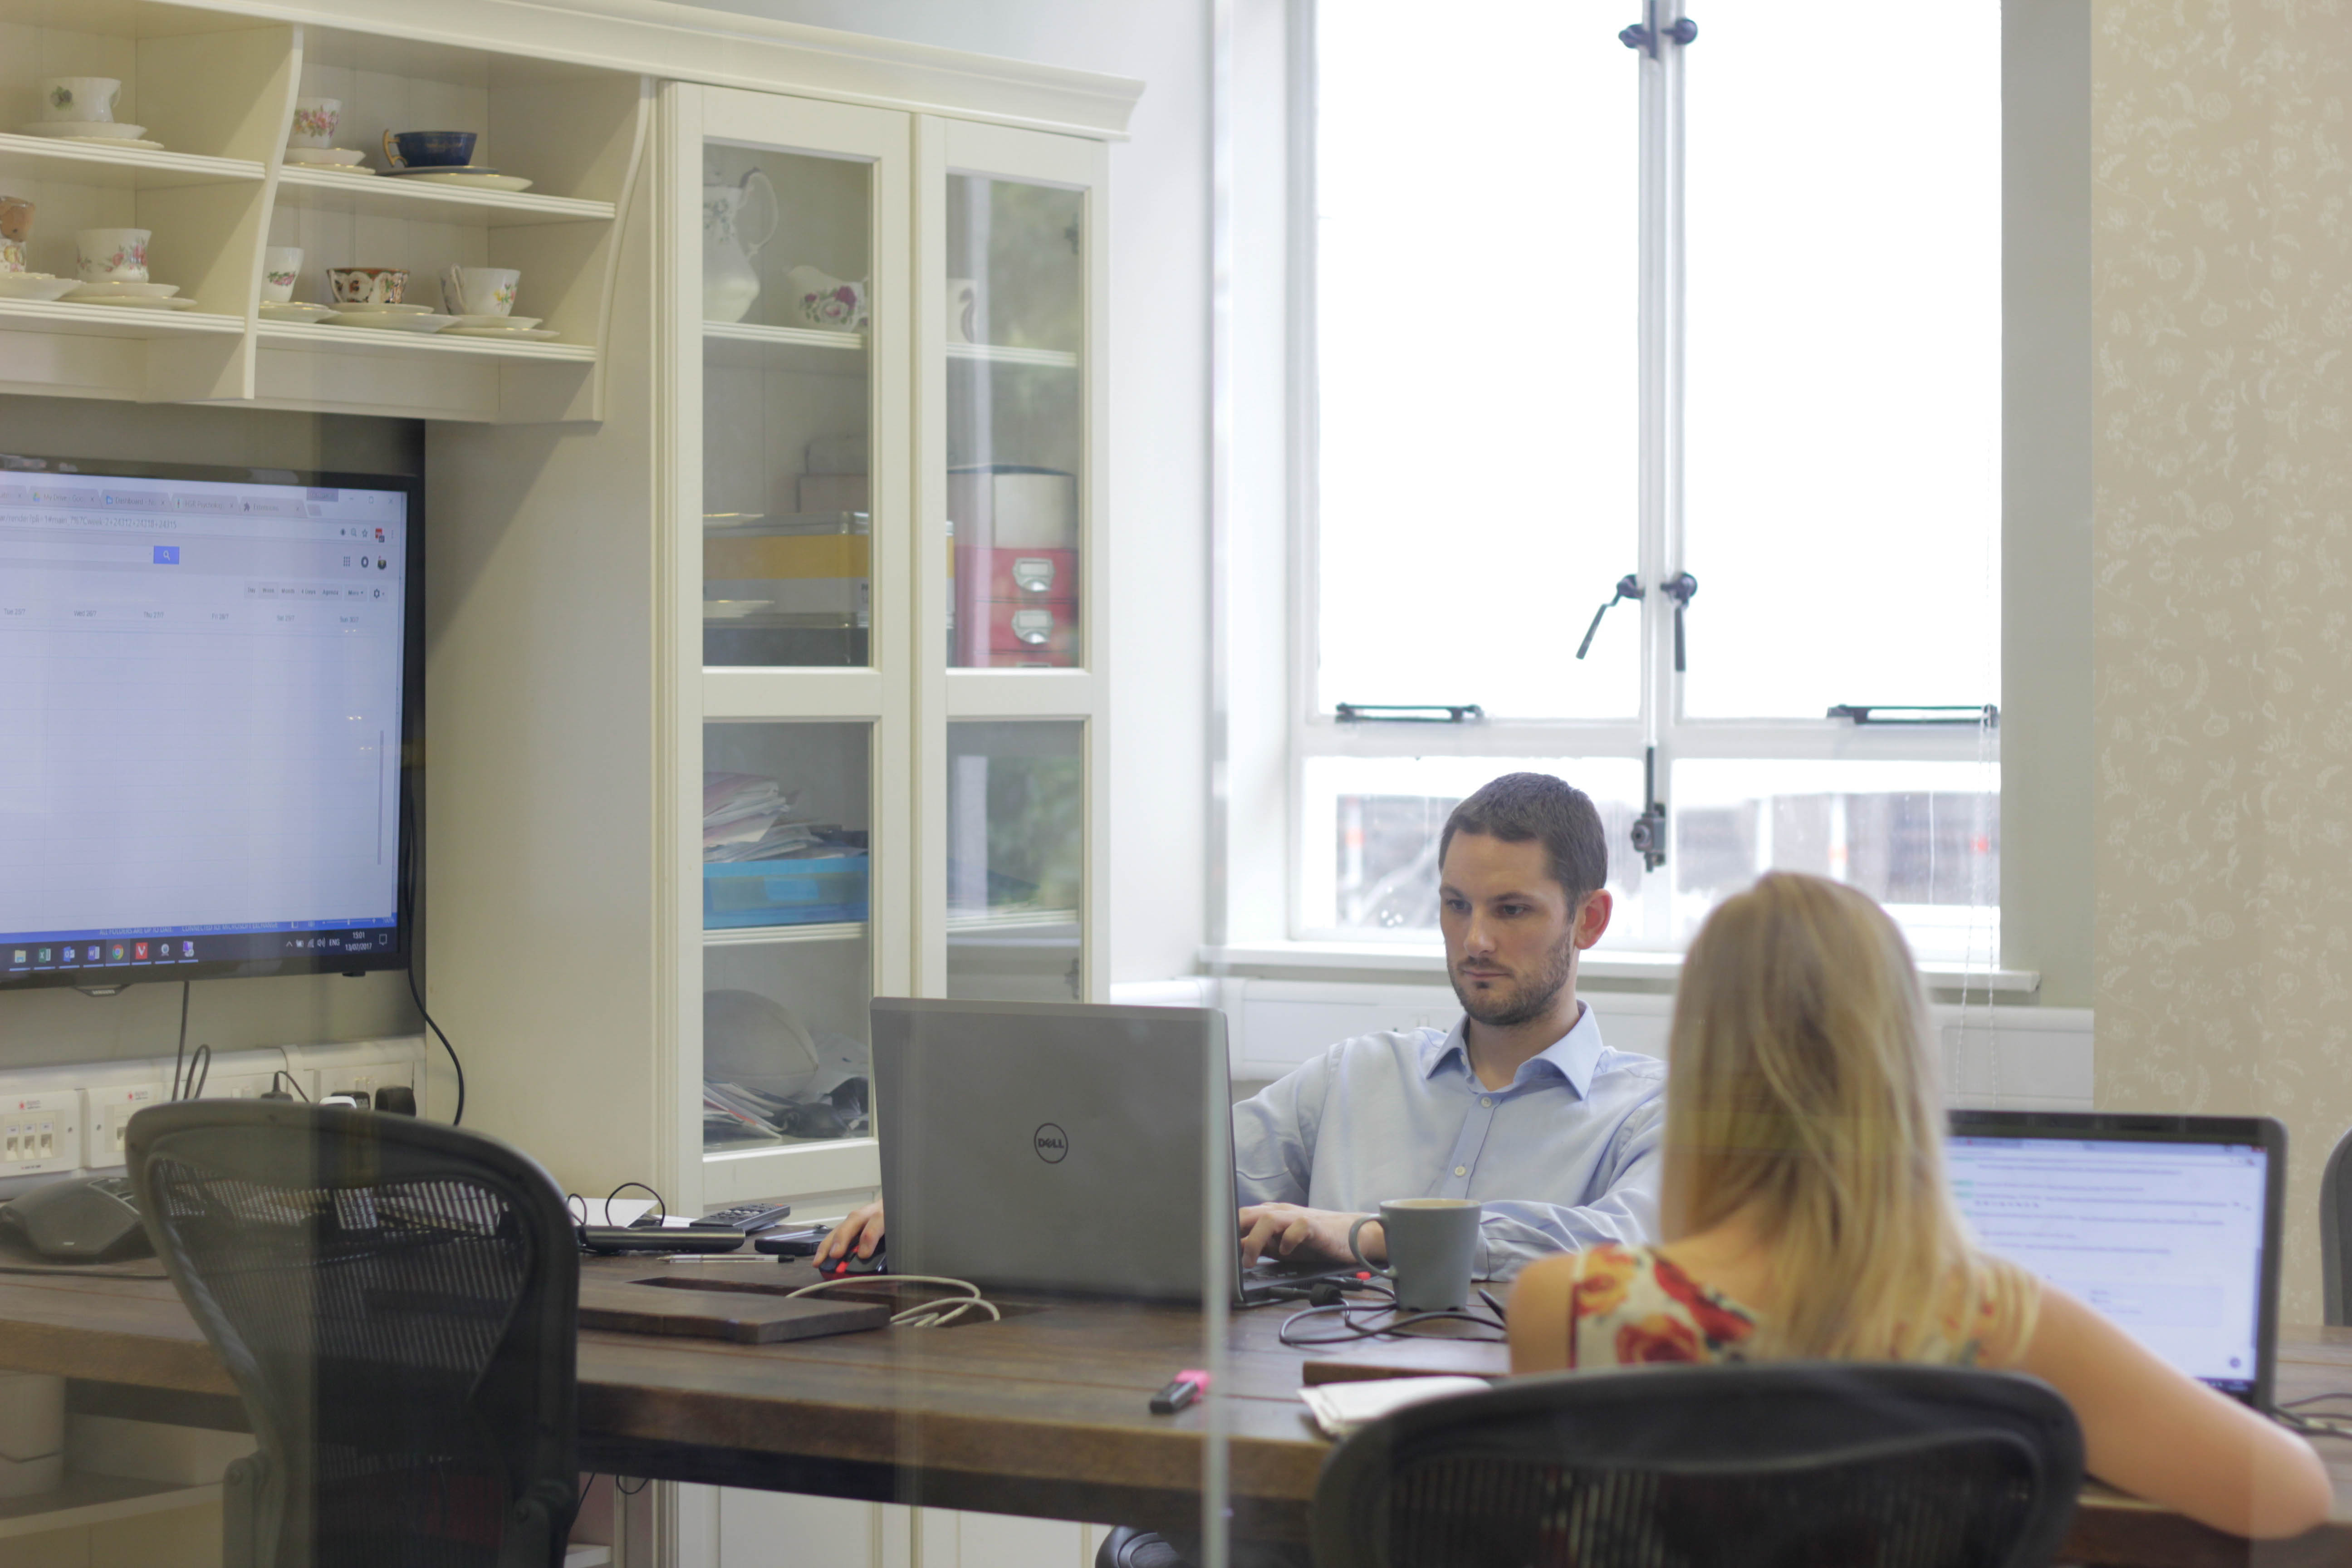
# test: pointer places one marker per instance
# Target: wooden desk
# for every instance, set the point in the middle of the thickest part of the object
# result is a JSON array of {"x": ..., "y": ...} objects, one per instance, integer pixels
[{"x": 1043, "y": 1415}]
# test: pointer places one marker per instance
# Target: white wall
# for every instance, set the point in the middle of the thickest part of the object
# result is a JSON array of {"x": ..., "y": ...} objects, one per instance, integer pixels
[{"x": 1157, "y": 622}]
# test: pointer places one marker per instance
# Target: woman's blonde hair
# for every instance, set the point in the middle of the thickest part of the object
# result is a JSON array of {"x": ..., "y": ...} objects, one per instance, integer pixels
[{"x": 1801, "y": 1097}]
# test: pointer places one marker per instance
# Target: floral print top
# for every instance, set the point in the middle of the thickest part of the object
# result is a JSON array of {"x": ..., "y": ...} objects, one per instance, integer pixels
[{"x": 1630, "y": 1305}]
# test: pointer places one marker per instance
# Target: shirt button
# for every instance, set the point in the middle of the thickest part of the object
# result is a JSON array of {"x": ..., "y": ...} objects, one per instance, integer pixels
[
  {"x": 1487, "y": 1100},
  {"x": 1461, "y": 1170}
]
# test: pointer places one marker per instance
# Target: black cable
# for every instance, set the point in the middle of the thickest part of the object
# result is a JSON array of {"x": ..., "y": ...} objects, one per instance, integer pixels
[
  {"x": 289, "y": 1077},
  {"x": 627, "y": 1492},
  {"x": 659, "y": 1202},
  {"x": 183, "y": 1048},
  {"x": 200, "y": 1072},
  {"x": 1404, "y": 1325},
  {"x": 446, "y": 1046}
]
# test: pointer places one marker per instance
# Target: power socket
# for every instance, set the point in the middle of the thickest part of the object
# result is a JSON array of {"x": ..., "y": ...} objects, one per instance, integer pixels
[
  {"x": 40, "y": 1132},
  {"x": 111, "y": 1111}
]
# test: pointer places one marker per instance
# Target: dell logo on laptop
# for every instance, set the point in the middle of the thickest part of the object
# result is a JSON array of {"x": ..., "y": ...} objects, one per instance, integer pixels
[{"x": 1052, "y": 1145}]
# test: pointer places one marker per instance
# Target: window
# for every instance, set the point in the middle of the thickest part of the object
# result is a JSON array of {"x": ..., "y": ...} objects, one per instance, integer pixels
[{"x": 1714, "y": 310}]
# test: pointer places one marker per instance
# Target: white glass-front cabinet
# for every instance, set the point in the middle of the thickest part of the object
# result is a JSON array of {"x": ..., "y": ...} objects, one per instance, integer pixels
[{"x": 885, "y": 722}]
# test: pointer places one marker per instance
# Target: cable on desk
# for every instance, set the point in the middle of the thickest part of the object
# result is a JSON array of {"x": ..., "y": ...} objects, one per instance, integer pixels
[
  {"x": 924, "y": 1314},
  {"x": 1401, "y": 1325}
]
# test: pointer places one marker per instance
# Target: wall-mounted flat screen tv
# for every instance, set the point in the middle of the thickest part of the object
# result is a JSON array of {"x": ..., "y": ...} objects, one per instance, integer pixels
[{"x": 210, "y": 684}]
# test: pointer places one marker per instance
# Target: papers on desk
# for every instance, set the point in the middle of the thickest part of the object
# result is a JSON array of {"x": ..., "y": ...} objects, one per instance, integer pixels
[
  {"x": 747, "y": 818},
  {"x": 1339, "y": 1408}
]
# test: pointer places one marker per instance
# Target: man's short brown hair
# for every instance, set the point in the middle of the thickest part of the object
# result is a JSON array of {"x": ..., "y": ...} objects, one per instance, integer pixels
[{"x": 1518, "y": 807}]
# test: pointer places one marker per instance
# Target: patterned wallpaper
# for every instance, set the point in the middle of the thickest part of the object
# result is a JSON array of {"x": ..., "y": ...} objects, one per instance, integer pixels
[{"x": 2221, "y": 258}]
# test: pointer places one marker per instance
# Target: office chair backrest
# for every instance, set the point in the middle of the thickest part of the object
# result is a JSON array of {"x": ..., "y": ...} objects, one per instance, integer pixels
[
  {"x": 2335, "y": 1214},
  {"x": 1796, "y": 1465},
  {"x": 398, "y": 1302}
]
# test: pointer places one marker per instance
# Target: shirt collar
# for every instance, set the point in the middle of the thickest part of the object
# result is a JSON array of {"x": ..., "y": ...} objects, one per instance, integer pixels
[{"x": 1572, "y": 1057}]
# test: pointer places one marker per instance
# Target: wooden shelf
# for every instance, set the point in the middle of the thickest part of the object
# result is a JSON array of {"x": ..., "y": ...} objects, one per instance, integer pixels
[
  {"x": 94, "y": 162},
  {"x": 296, "y": 337},
  {"x": 768, "y": 936},
  {"x": 1001, "y": 354},
  {"x": 87, "y": 1499},
  {"x": 60, "y": 318},
  {"x": 323, "y": 190},
  {"x": 743, "y": 345}
]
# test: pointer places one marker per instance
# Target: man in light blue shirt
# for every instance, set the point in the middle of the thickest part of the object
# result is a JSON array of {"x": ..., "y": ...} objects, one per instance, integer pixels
[{"x": 1519, "y": 1105}]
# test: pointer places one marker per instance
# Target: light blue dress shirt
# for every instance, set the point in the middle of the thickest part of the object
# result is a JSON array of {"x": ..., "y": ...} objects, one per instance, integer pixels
[{"x": 1566, "y": 1157}]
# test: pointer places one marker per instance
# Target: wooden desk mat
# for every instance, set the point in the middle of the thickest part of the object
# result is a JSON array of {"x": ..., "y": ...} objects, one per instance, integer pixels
[{"x": 745, "y": 1317}]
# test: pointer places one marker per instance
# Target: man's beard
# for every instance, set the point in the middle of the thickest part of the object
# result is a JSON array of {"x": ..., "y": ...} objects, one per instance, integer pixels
[{"x": 1523, "y": 1002}]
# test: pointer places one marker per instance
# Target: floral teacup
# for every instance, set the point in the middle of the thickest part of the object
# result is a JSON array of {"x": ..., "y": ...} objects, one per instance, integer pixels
[
  {"x": 366, "y": 285},
  {"x": 113, "y": 255},
  {"x": 87, "y": 98},
  {"x": 480, "y": 290},
  {"x": 281, "y": 265},
  {"x": 825, "y": 301},
  {"x": 316, "y": 120}
]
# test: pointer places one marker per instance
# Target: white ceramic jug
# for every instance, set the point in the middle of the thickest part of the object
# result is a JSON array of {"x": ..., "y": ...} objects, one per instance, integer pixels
[{"x": 729, "y": 284}]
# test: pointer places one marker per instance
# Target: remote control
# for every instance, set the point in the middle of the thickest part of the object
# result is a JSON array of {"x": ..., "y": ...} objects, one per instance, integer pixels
[{"x": 745, "y": 1218}]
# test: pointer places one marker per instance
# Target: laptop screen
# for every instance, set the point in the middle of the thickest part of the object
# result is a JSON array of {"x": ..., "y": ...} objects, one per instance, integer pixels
[{"x": 2166, "y": 1238}]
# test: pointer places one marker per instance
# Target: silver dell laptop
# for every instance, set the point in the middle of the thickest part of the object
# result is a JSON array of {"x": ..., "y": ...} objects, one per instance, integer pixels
[{"x": 1054, "y": 1146}]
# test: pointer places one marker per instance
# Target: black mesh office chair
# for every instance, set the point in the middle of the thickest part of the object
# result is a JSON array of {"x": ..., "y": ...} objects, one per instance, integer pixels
[
  {"x": 1804, "y": 1465},
  {"x": 2335, "y": 1214},
  {"x": 398, "y": 1302}
]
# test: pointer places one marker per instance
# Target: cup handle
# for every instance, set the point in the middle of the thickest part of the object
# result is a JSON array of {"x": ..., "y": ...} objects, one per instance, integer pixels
[
  {"x": 752, "y": 247},
  {"x": 1355, "y": 1232},
  {"x": 392, "y": 157}
]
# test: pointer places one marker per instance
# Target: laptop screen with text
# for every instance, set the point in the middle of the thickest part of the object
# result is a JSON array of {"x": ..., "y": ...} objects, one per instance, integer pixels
[{"x": 2167, "y": 1238}]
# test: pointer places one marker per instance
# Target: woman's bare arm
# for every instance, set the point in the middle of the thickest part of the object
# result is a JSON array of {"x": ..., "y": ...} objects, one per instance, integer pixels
[
  {"x": 1537, "y": 1313},
  {"x": 2165, "y": 1436}
]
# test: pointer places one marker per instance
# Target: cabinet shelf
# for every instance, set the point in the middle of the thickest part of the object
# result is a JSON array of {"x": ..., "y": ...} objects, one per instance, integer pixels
[
  {"x": 1003, "y": 354},
  {"x": 768, "y": 936},
  {"x": 60, "y": 318},
  {"x": 746, "y": 345},
  {"x": 94, "y": 163},
  {"x": 301, "y": 338},
  {"x": 87, "y": 1499},
  {"x": 322, "y": 190}
]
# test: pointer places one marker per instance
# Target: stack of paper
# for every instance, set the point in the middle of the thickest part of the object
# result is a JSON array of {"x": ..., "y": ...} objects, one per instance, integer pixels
[
  {"x": 746, "y": 817},
  {"x": 1339, "y": 1408}
]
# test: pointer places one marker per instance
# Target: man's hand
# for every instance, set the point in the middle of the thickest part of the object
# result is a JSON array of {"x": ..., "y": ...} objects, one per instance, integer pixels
[
  {"x": 861, "y": 1228},
  {"x": 1287, "y": 1230}
]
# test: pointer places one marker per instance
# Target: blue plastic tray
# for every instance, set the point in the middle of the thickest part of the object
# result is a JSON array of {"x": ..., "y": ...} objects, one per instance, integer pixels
[{"x": 816, "y": 892}]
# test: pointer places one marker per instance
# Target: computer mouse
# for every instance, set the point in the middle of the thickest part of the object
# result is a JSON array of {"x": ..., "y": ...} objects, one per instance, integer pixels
[
  {"x": 852, "y": 1266},
  {"x": 92, "y": 1220}
]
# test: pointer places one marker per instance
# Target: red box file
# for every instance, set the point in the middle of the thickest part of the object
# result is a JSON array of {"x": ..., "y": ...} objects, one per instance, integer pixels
[
  {"x": 1005, "y": 634},
  {"x": 1016, "y": 575}
]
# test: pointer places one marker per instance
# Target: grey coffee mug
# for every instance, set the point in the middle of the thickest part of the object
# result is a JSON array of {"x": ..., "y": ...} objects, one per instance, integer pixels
[{"x": 1432, "y": 1244}]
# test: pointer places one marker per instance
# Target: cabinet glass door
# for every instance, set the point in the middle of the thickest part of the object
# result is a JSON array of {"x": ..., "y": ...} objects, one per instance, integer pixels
[
  {"x": 787, "y": 399},
  {"x": 1016, "y": 861},
  {"x": 787, "y": 962},
  {"x": 1016, "y": 435}
]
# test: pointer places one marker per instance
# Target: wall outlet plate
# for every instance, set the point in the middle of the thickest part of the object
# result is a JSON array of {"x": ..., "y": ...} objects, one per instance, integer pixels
[
  {"x": 40, "y": 1132},
  {"x": 111, "y": 1111}
]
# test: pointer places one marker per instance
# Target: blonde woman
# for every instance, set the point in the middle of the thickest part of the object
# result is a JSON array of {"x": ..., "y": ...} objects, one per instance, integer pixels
[{"x": 1807, "y": 1215}]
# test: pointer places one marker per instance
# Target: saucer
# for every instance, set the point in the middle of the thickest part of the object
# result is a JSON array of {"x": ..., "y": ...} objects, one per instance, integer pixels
[
  {"x": 526, "y": 334},
  {"x": 376, "y": 321},
  {"x": 478, "y": 179},
  {"x": 83, "y": 130},
  {"x": 734, "y": 609},
  {"x": 356, "y": 308},
  {"x": 112, "y": 289},
  {"x": 499, "y": 323},
  {"x": 134, "y": 301},
  {"x": 417, "y": 171},
  {"x": 324, "y": 157},
  {"x": 294, "y": 311},
  {"x": 36, "y": 285}
]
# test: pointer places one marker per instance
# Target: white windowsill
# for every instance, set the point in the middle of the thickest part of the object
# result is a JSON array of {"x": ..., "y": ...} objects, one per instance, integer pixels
[{"x": 1282, "y": 959}]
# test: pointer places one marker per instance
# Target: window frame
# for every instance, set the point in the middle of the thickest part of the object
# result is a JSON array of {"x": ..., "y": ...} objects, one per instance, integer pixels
[{"x": 1660, "y": 728}]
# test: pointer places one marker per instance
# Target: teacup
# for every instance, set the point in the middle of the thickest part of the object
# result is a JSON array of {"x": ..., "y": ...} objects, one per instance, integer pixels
[
  {"x": 428, "y": 148},
  {"x": 964, "y": 310},
  {"x": 15, "y": 229},
  {"x": 88, "y": 99},
  {"x": 280, "y": 266},
  {"x": 825, "y": 301},
  {"x": 366, "y": 285},
  {"x": 479, "y": 290},
  {"x": 112, "y": 255},
  {"x": 316, "y": 120}
]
